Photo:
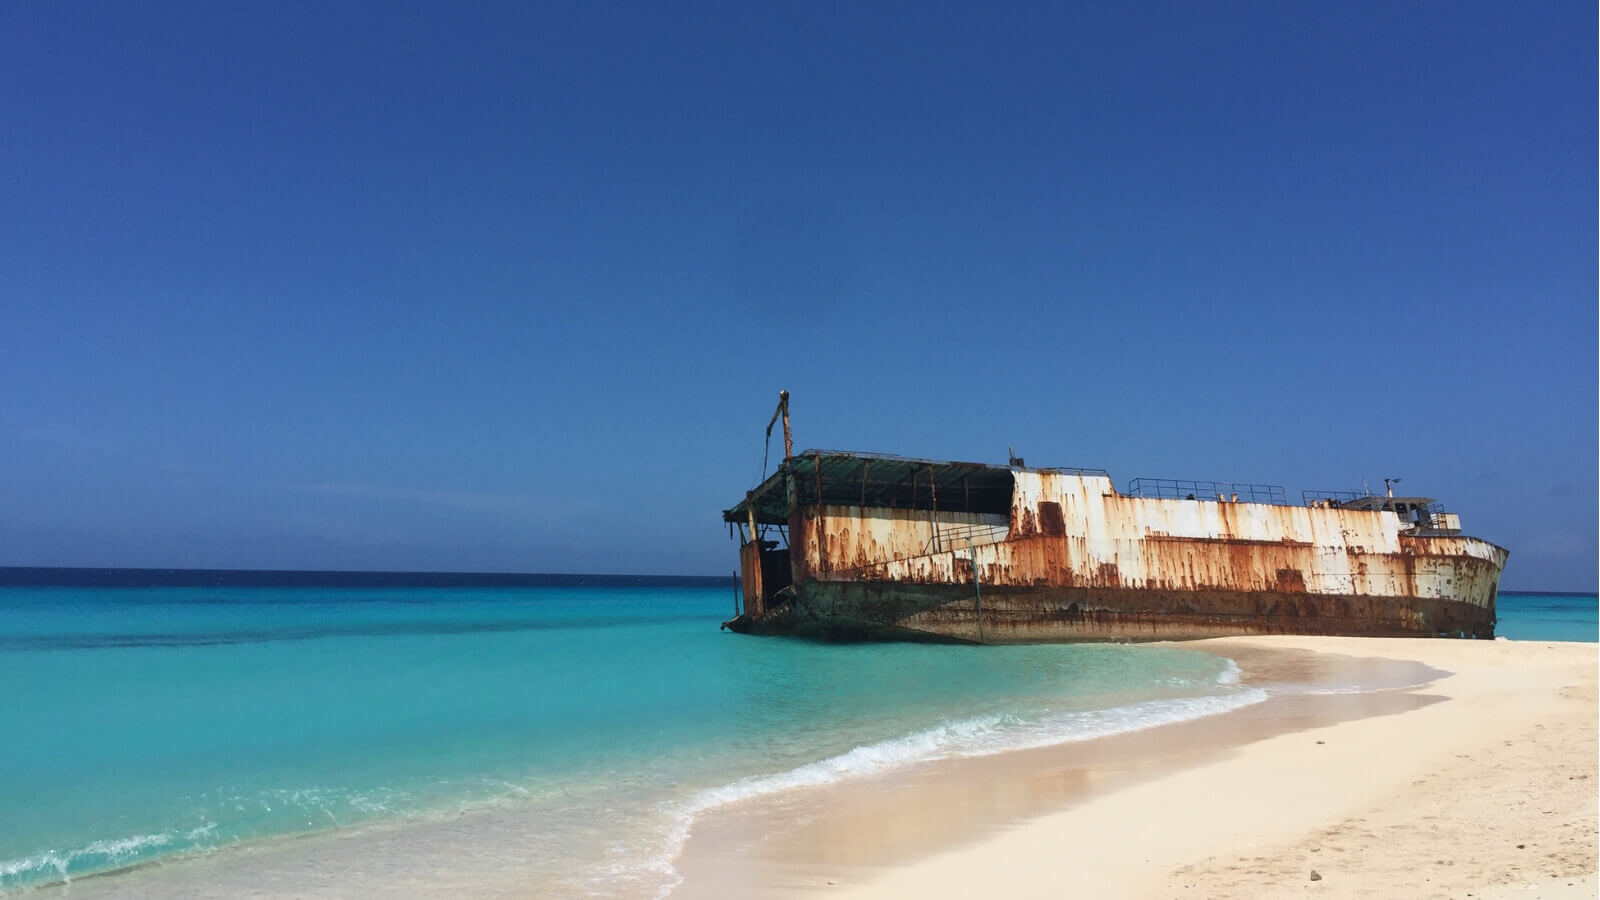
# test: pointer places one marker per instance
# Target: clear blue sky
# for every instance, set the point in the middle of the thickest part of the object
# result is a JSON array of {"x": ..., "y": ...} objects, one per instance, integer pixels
[{"x": 400, "y": 286}]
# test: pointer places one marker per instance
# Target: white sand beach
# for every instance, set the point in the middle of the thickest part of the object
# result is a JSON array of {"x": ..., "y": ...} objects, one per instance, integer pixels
[{"x": 1481, "y": 783}]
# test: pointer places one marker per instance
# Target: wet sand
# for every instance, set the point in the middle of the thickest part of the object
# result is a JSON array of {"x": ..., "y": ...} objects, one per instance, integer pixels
[{"x": 1422, "y": 783}]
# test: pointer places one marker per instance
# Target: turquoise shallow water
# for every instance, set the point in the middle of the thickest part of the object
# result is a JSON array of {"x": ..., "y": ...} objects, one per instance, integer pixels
[
  {"x": 1548, "y": 617},
  {"x": 150, "y": 723},
  {"x": 144, "y": 723}
]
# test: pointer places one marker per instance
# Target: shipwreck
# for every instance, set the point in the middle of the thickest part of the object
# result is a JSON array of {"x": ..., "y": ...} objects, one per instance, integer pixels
[{"x": 864, "y": 546}]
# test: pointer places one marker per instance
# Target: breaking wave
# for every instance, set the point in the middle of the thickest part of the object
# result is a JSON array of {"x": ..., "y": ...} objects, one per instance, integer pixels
[
  {"x": 115, "y": 853},
  {"x": 986, "y": 735}
]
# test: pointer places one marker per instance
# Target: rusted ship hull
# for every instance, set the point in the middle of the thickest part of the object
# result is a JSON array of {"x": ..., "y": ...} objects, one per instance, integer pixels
[
  {"x": 849, "y": 611},
  {"x": 895, "y": 549}
]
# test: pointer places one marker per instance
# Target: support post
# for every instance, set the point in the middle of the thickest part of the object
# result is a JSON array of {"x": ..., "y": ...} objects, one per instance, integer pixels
[
  {"x": 750, "y": 512},
  {"x": 977, "y": 587},
  {"x": 820, "y": 531}
]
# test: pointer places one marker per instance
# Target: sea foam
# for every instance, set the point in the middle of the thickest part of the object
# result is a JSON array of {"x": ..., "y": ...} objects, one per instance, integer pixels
[
  {"x": 976, "y": 736},
  {"x": 101, "y": 854}
]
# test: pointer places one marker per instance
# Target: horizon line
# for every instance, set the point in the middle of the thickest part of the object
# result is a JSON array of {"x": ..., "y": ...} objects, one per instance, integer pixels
[{"x": 126, "y": 576}]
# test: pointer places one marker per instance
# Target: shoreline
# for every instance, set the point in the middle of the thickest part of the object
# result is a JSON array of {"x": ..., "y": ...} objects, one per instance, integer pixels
[
  {"x": 1241, "y": 803},
  {"x": 433, "y": 847},
  {"x": 1192, "y": 808}
]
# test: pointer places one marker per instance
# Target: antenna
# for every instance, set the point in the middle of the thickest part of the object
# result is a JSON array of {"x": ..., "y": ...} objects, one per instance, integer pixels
[{"x": 1388, "y": 485}]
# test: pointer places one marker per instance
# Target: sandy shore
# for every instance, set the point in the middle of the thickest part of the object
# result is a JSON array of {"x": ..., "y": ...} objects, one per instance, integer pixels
[{"x": 1482, "y": 783}]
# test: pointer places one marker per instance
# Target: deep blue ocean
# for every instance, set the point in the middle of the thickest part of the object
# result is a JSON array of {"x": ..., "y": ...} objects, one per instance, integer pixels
[{"x": 147, "y": 723}]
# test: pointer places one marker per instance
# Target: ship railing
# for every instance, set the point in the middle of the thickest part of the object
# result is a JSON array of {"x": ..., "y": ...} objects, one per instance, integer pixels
[
  {"x": 960, "y": 537},
  {"x": 890, "y": 457},
  {"x": 1434, "y": 520},
  {"x": 1331, "y": 498},
  {"x": 1230, "y": 491}
]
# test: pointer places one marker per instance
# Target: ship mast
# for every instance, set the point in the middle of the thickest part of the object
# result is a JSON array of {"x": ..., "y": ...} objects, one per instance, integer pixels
[{"x": 782, "y": 410}]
